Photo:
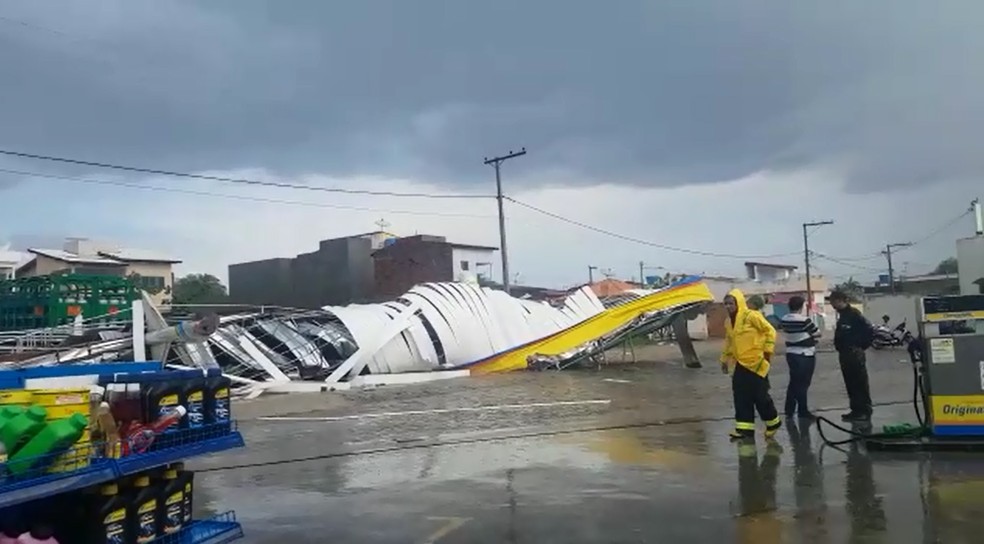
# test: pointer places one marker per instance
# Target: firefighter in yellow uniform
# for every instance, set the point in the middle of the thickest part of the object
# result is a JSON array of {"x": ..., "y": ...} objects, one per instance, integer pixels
[{"x": 748, "y": 347}]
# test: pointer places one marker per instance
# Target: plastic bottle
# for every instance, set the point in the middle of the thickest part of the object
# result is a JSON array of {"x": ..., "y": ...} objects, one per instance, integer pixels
[
  {"x": 170, "y": 509},
  {"x": 193, "y": 394},
  {"x": 138, "y": 438},
  {"x": 108, "y": 522},
  {"x": 9, "y": 412},
  {"x": 55, "y": 437},
  {"x": 187, "y": 482},
  {"x": 160, "y": 399},
  {"x": 141, "y": 515},
  {"x": 40, "y": 534},
  {"x": 217, "y": 405},
  {"x": 20, "y": 429}
]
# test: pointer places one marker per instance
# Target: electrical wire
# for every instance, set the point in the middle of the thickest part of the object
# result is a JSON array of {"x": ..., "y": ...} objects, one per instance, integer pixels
[
  {"x": 193, "y": 192},
  {"x": 845, "y": 263},
  {"x": 881, "y": 253},
  {"x": 483, "y": 440},
  {"x": 243, "y": 181},
  {"x": 606, "y": 232}
]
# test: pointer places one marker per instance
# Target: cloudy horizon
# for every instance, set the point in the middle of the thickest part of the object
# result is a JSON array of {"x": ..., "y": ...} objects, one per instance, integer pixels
[{"x": 709, "y": 125}]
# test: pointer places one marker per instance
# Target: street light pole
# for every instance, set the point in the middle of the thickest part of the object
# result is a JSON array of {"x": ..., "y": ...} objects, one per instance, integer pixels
[
  {"x": 591, "y": 270},
  {"x": 891, "y": 271},
  {"x": 806, "y": 257},
  {"x": 495, "y": 162}
]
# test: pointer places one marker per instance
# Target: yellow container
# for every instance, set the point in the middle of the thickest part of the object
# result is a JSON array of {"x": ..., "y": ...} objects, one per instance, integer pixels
[
  {"x": 62, "y": 403},
  {"x": 20, "y": 397},
  {"x": 74, "y": 459}
]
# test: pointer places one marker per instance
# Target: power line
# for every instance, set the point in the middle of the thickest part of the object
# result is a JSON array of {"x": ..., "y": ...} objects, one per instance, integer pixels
[
  {"x": 845, "y": 263},
  {"x": 640, "y": 241},
  {"x": 243, "y": 181},
  {"x": 881, "y": 253},
  {"x": 235, "y": 197}
]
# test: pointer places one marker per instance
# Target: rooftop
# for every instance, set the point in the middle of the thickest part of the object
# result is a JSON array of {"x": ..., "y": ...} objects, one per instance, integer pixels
[
  {"x": 437, "y": 240},
  {"x": 771, "y": 265},
  {"x": 138, "y": 255},
  {"x": 11, "y": 257},
  {"x": 65, "y": 256}
]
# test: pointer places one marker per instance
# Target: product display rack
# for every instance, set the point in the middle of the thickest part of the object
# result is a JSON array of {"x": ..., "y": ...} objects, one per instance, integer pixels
[
  {"x": 215, "y": 530},
  {"x": 168, "y": 448},
  {"x": 184, "y": 445}
]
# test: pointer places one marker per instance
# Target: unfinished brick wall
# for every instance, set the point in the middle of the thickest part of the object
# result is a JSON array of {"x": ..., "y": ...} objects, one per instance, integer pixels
[{"x": 410, "y": 261}]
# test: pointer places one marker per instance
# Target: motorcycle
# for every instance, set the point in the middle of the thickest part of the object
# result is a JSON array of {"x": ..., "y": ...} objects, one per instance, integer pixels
[{"x": 892, "y": 338}]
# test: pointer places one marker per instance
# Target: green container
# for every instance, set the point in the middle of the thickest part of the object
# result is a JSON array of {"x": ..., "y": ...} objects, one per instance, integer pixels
[
  {"x": 56, "y": 437},
  {"x": 20, "y": 429},
  {"x": 55, "y": 299},
  {"x": 9, "y": 412}
]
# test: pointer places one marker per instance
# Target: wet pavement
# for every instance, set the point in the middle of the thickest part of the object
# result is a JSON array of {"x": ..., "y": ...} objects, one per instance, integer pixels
[{"x": 626, "y": 454}]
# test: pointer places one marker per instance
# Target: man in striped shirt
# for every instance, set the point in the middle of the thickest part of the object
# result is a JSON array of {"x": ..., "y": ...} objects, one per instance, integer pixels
[{"x": 801, "y": 335}]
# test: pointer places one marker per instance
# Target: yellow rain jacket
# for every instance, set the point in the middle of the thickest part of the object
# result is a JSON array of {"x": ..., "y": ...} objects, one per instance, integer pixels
[{"x": 749, "y": 339}]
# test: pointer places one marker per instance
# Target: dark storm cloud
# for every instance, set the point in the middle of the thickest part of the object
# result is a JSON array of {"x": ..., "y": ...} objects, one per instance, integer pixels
[{"x": 638, "y": 92}]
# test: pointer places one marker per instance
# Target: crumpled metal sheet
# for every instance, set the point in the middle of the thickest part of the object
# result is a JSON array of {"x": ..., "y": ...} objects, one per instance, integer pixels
[{"x": 456, "y": 325}]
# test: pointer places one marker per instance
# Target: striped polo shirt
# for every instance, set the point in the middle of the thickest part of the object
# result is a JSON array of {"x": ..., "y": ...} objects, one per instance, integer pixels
[{"x": 800, "y": 332}]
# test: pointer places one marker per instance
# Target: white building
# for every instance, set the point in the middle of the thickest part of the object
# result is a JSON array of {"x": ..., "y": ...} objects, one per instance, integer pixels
[
  {"x": 970, "y": 259},
  {"x": 83, "y": 256},
  {"x": 768, "y": 272},
  {"x": 9, "y": 261},
  {"x": 472, "y": 262}
]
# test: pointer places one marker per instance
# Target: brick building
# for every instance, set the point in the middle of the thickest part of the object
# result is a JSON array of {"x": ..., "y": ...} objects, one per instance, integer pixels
[
  {"x": 405, "y": 262},
  {"x": 339, "y": 272}
]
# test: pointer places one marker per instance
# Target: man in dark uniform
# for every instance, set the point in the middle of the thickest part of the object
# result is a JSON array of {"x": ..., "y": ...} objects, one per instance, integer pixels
[{"x": 852, "y": 337}]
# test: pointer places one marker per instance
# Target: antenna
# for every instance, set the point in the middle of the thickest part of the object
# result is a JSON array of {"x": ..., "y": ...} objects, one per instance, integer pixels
[{"x": 382, "y": 224}]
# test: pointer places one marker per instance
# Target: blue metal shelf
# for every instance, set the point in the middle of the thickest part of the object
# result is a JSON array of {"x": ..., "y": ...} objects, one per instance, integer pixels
[
  {"x": 172, "y": 447},
  {"x": 216, "y": 530},
  {"x": 177, "y": 448}
]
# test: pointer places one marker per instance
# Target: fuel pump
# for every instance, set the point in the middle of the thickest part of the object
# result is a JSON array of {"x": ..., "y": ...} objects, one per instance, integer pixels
[
  {"x": 948, "y": 381},
  {"x": 952, "y": 367}
]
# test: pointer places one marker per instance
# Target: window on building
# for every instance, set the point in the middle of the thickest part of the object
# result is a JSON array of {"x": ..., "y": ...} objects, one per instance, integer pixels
[
  {"x": 464, "y": 265},
  {"x": 151, "y": 284}
]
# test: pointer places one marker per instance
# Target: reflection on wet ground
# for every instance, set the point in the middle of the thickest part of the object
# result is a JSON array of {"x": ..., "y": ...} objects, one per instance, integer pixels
[{"x": 669, "y": 482}]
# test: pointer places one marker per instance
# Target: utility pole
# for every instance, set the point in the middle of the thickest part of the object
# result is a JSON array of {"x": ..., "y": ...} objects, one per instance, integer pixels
[
  {"x": 806, "y": 256},
  {"x": 495, "y": 162},
  {"x": 888, "y": 255},
  {"x": 975, "y": 206},
  {"x": 591, "y": 270}
]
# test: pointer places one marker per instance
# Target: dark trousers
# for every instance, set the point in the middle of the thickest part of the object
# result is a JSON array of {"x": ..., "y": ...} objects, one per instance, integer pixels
[
  {"x": 801, "y": 369},
  {"x": 751, "y": 393},
  {"x": 855, "y": 372}
]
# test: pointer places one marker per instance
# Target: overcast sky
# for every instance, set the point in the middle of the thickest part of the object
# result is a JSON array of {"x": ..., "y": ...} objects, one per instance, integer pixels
[{"x": 712, "y": 125}]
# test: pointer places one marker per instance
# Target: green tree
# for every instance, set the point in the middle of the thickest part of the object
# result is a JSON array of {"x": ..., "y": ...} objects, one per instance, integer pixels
[
  {"x": 199, "y": 289},
  {"x": 946, "y": 266},
  {"x": 852, "y": 288}
]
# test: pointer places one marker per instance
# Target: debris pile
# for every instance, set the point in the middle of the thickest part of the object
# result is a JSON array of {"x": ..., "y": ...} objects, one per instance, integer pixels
[{"x": 434, "y": 326}]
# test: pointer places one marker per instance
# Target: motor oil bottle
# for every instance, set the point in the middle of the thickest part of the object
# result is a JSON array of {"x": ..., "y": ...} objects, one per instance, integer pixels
[
  {"x": 9, "y": 412},
  {"x": 54, "y": 438},
  {"x": 141, "y": 514},
  {"x": 108, "y": 521},
  {"x": 194, "y": 400},
  {"x": 19, "y": 429},
  {"x": 161, "y": 399},
  {"x": 170, "y": 510},
  {"x": 186, "y": 480},
  {"x": 218, "y": 409}
]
